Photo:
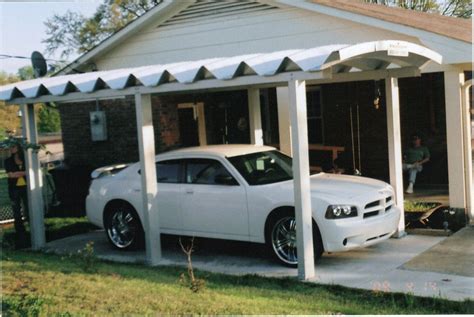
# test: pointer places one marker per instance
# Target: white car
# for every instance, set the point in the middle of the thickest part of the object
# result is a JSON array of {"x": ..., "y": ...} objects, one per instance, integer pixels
[{"x": 242, "y": 192}]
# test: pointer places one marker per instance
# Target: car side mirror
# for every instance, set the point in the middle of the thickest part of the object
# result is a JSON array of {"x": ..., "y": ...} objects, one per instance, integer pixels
[{"x": 222, "y": 179}]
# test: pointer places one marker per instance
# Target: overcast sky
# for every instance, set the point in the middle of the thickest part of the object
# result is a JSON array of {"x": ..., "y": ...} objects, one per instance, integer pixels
[{"x": 22, "y": 28}]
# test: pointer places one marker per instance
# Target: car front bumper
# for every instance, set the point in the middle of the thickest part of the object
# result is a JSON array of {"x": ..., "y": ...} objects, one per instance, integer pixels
[{"x": 351, "y": 233}]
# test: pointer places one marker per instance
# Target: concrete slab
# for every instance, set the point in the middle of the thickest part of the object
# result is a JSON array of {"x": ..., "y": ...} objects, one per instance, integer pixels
[
  {"x": 454, "y": 255},
  {"x": 377, "y": 268}
]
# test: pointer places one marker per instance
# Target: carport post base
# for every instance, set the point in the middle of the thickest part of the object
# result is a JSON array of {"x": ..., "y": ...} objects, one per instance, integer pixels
[
  {"x": 303, "y": 214},
  {"x": 149, "y": 187}
]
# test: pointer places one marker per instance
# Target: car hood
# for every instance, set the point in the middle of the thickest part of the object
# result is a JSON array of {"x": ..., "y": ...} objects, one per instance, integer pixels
[
  {"x": 344, "y": 187},
  {"x": 347, "y": 186}
]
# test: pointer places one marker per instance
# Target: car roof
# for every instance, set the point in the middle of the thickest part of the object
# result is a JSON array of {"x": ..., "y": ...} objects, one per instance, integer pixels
[{"x": 224, "y": 150}]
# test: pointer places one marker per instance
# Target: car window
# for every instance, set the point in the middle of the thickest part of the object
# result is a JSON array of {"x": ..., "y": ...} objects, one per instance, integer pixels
[
  {"x": 168, "y": 171},
  {"x": 207, "y": 172},
  {"x": 263, "y": 167}
]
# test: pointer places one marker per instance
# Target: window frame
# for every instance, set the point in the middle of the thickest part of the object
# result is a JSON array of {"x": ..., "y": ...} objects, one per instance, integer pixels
[
  {"x": 311, "y": 89},
  {"x": 184, "y": 170},
  {"x": 180, "y": 170}
]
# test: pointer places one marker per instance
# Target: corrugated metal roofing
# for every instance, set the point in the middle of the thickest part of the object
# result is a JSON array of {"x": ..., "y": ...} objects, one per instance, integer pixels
[{"x": 347, "y": 58}]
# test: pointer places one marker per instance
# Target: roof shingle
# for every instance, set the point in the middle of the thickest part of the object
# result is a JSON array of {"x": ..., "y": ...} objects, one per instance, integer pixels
[{"x": 456, "y": 28}]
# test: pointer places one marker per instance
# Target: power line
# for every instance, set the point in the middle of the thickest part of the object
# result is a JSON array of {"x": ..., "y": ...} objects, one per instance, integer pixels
[{"x": 6, "y": 56}]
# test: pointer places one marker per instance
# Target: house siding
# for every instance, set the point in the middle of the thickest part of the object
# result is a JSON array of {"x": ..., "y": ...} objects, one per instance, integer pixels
[{"x": 241, "y": 33}]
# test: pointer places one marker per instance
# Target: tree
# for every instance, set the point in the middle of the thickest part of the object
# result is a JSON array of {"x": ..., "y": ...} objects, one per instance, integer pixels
[
  {"x": 9, "y": 120},
  {"x": 48, "y": 119},
  {"x": 455, "y": 8},
  {"x": 47, "y": 114},
  {"x": 74, "y": 33}
]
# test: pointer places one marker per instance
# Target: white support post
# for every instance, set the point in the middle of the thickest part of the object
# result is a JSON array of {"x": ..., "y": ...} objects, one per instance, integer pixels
[
  {"x": 34, "y": 179},
  {"x": 201, "y": 124},
  {"x": 303, "y": 214},
  {"x": 149, "y": 187},
  {"x": 395, "y": 147},
  {"x": 284, "y": 127},
  {"x": 467, "y": 126},
  {"x": 453, "y": 81},
  {"x": 255, "y": 118}
]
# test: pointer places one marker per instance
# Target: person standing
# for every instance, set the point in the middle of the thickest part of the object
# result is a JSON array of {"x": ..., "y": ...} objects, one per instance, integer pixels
[
  {"x": 17, "y": 191},
  {"x": 415, "y": 156}
]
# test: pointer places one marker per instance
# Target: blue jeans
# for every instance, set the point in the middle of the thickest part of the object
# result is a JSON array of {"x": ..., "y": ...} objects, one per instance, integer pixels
[{"x": 412, "y": 171}]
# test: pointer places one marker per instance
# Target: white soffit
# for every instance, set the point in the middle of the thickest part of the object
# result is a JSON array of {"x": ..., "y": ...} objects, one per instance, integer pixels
[{"x": 339, "y": 58}]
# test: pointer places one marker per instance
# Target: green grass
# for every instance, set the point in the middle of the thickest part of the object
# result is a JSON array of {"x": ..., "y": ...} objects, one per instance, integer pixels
[
  {"x": 35, "y": 283},
  {"x": 417, "y": 206},
  {"x": 56, "y": 228},
  {"x": 45, "y": 284}
]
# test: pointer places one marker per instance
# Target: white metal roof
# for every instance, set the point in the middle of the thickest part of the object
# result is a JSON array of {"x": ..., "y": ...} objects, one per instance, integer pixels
[{"x": 340, "y": 58}]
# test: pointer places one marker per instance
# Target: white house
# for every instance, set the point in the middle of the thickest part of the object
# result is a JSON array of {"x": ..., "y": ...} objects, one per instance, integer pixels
[{"x": 189, "y": 38}]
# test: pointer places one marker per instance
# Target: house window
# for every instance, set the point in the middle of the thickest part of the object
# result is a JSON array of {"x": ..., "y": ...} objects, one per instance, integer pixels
[{"x": 315, "y": 115}]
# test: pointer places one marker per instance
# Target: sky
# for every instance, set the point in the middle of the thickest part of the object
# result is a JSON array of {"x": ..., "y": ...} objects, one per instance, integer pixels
[{"x": 22, "y": 28}]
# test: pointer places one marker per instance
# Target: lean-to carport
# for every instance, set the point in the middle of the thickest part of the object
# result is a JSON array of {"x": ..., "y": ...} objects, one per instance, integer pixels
[{"x": 388, "y": 60}]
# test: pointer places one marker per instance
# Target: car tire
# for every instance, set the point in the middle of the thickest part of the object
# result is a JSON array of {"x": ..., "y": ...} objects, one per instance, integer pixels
[
  {"x": 123, "y": 227},
  {"x": 280, "y": 237}
]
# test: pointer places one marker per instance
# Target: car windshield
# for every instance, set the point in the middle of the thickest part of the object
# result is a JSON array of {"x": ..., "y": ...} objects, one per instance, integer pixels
[{"x": 263, "y": 167}]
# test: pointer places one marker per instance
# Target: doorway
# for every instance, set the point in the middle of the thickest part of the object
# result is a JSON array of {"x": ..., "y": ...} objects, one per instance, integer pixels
[{"x": 192, "y": 124}]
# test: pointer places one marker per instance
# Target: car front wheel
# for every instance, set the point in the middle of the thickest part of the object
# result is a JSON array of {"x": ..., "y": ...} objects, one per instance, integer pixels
[
  {"x": 123, "y": 227},
  {"x": 282, "y": 240}
]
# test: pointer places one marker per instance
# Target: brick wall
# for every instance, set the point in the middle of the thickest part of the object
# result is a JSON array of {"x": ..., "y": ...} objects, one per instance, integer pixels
[{"x": 121, "y": 144}]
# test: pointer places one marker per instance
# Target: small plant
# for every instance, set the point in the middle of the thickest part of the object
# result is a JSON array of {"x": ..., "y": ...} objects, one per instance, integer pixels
[
  {"x": 194, "y": 284},
  {"x": 88, "y": 259},
  {"x": 416, "y": 206},
  {"x": 410, "y": 300},
  {"x": 22, "y": 305}
]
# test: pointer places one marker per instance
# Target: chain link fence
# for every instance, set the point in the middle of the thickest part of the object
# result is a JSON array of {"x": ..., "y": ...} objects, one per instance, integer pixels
[{"x": 6, "y": 211}]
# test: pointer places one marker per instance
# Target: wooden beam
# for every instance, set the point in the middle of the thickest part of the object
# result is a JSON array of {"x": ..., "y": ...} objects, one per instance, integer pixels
[
  {"x": 284, "y": 126},
  {"x": 149, "y": 187},
  {"x": 255, "y": 117},
  {"x": 302, "y": 190}
]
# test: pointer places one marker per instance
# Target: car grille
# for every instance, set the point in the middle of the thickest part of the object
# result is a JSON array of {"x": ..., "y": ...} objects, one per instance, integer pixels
[{"x": 378, "y": 207}]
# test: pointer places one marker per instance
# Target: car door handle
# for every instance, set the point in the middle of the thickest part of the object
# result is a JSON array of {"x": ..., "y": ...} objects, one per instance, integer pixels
[
  {"x": 189, "y": 191},
  {"x": 137, "y": 190}
]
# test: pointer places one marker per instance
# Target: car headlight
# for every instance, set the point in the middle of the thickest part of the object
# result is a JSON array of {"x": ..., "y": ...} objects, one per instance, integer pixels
[{"x": 341, "y": 211}]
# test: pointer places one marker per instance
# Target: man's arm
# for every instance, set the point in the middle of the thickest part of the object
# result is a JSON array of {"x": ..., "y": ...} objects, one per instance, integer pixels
[
  {"x": 426, "y": 155},
  {"x": 16, "y": 174},
  {"x": 10, "y": 170}
]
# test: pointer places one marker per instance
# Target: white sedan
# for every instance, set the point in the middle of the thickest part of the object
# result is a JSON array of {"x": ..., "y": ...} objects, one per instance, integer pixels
[{"x": 242, "y": 192}]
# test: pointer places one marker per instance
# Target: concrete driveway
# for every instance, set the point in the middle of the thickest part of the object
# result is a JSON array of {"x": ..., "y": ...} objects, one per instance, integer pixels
[{"x": 378, "y": 268}]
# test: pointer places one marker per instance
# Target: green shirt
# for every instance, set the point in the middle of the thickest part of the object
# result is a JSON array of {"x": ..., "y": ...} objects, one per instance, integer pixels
[{"x": 416, "y": 154}]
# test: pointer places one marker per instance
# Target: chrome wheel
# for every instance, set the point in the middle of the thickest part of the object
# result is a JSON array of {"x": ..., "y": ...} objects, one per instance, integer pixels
[
  {"x": 122, "y": 228},
  {"x": 284, "y": 240}
]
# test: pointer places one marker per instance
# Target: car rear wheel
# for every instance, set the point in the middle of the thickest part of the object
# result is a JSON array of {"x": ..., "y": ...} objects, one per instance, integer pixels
[
  {"x": 281, "y": 239},
  {"x": 123, "y": 227}
]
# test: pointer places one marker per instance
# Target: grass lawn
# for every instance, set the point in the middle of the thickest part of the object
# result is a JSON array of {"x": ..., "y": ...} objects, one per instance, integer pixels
[
  {"x": 44, "y": 284},
  {"x": 36, "y": 283},
  {"x": 56, "y": 228}
]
